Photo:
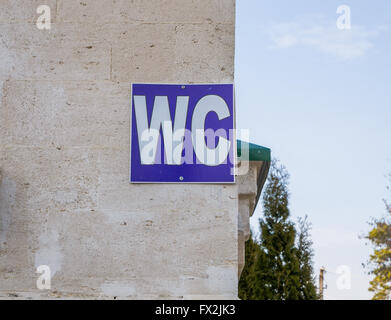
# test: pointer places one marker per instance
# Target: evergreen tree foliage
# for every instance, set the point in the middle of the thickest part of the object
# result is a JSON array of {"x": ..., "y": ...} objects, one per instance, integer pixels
[
  {"x": 277, "y": 266},
  {"x": 278, "y": 275},
  {"x": 247, "y": 279},
  {"x": 305, "y": 256}
]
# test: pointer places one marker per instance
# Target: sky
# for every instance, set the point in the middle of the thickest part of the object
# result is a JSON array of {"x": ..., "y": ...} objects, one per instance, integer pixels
[{"x": 320, "y": 98}]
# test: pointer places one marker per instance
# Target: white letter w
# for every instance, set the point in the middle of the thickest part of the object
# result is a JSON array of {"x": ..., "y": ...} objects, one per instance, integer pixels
[{"x": 148, "y": 136}]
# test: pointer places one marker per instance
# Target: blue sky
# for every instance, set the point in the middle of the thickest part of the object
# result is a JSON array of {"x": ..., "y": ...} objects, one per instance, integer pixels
[{"x": 320, "y": 98}]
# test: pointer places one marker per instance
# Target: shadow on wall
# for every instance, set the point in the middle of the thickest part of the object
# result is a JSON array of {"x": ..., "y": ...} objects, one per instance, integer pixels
[{"x": 7, "y": 201}]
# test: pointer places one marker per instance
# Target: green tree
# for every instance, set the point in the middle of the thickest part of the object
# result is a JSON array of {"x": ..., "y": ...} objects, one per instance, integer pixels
[
  {"x": 380, "y": 259},
  {"x": 247, "y": 280},
  {"x": 278, "y": 266},
  {"x": 278, "y": 276},
  {"x": 305, "y": 256}
]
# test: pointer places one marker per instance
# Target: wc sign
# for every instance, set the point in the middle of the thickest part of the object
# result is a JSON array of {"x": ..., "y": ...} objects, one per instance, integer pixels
[{"x": 182, "y": 133}]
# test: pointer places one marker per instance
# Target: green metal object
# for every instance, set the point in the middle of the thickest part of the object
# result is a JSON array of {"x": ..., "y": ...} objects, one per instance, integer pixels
[{"x": 256, "y": 153}]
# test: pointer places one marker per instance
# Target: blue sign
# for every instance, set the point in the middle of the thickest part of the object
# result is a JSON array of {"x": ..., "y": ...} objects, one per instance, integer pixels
[{"x": 182, "y": 133}]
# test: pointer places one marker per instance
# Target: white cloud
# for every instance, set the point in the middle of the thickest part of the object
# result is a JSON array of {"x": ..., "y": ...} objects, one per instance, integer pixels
[
  {"x": 326, "y": 37},
  {"x": 337, "y": 237},
  {"x": 286, "y": 41}
]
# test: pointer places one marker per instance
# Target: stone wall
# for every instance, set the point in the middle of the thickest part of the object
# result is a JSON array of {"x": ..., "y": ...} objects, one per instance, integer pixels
[{"x": 65, "y": 199}]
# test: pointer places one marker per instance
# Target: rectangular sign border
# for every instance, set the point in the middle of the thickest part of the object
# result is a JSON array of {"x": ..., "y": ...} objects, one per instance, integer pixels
[{"x": 183, "y": 182}]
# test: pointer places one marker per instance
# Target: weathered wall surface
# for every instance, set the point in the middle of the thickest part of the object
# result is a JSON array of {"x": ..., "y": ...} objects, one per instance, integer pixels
[{"x": 65, "y": 199}]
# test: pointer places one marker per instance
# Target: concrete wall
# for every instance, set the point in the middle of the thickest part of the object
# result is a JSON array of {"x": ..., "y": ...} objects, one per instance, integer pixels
[{"x": 65, "y": 199}]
